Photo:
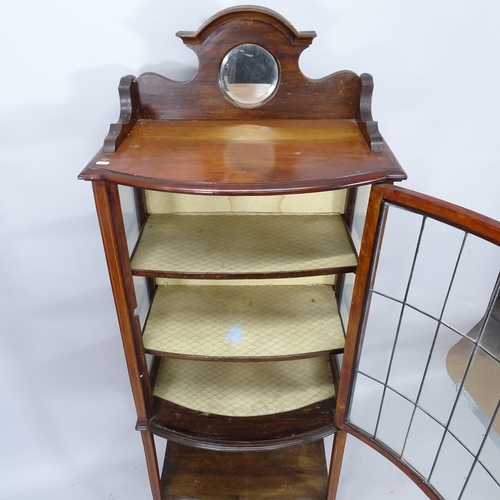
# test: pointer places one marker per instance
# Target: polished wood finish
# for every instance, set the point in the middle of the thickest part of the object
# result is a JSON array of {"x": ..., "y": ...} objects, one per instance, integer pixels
[
  {"x": 152, "y": 464},
  {"x": 115, "y": 245},
  {"x": 297, "y": 472},
  {"x": 245, "y": 157},
  {"x": 114, "y": 241},
  {"x": 219, "y": 432},
  {"x": 339, "y": 442},
  {"x": 229, "y": 433}
]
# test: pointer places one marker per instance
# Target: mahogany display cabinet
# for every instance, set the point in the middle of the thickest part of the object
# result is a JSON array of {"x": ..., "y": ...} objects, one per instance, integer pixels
[{"x": 249, "y": 185}]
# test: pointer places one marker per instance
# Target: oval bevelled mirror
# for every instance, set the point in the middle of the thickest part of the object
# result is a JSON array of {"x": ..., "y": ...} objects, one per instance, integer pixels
[{"x": 249, "y": 75}]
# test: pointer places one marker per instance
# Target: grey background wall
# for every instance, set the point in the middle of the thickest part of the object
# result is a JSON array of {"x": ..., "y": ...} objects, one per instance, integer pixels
[{"x": 66, "y": 413}]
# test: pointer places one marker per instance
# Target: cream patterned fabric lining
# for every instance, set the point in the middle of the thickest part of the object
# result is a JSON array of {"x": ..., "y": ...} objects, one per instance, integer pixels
[
  {"x": 244, "y": 389},
  {"x": 243, "y": 243},
  {"x": 159, "y": 202},
  {"x": 231, "y": 321}
]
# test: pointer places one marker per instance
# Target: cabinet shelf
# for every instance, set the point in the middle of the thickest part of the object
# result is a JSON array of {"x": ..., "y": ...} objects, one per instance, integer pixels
[
  {"x": 245, "y": 322},
  {"x": 242, "y": 406},
  {"x": 244, "y": 389},
  {"x": 295, "y": 472},
  {"x": 246, "y": 246}
]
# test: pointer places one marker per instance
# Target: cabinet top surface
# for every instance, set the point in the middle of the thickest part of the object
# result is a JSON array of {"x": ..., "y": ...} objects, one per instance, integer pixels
[
  {"x": 245, "y": 157},
  {"x": 249, "y": 121}
]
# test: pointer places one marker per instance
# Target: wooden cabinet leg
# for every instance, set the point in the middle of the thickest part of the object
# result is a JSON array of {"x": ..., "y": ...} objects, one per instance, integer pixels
[
  {"x": 152, "y": 464},
  {"x": 336, "y": 464}
]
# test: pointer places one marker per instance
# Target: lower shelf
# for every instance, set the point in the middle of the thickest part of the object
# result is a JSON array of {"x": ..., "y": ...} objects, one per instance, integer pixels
[
  {"x": 242, "y": 406},
  {"x": 244, "y": 389},
  {"x": 298, "y": 472},
  {"x": 219, "y": 432}
]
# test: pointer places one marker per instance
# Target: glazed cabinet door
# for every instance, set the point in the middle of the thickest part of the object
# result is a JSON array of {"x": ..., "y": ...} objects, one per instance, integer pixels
[{"x": 420, "y": 379}]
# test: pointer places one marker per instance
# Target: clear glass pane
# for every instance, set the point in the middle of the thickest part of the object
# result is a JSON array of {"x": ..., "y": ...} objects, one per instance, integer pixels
[
  {"x": 394, "y": 421},
  {"x": 490, "y": 454},
  {"x": 450, "y": 356},
  {"x": 400, "y": 239},
  {"x": 129, "y": 210},
  {"x": 379, "y": 336},
  {"x": 477, "y": 401},
  {"x": 367, "y": 396},
  {"x": 413, "y": 347},
  {"x": 490, "y": 338},
  {"x": 423, "y": 442},
  {"x": 473, "y": 285},
  {"x": 436, "y": 261},
  {"x": 452, "y": 468},
  {"x": 481, "y": 486},
  {"x": 346, "y": 299},
  {"x": 142, "y": 297},
  {"x": 358, "y": 222}
]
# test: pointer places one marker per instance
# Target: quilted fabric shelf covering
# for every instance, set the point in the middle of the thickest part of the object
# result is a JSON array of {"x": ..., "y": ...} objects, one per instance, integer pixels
[
  {"x": 244, "y": 389},
  {"x": 239, "y": 244},
  {"x": 243, "y": 321}
]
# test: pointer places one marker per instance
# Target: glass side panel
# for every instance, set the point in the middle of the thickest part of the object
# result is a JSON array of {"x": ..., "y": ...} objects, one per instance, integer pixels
[
  {"x": 129, "y": 211},
  {"x": 346, "y": 298},
  {"x": 358, "y": 222}
]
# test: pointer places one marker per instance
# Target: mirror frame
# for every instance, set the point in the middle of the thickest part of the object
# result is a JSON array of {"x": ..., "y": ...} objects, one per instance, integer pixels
[{"x": 223, "y": 84}]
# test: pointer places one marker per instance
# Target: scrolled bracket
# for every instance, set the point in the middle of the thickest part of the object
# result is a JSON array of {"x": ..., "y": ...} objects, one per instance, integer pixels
[
  {"x": 129, "y": 107},
  {"x": 368, "y": 127}
]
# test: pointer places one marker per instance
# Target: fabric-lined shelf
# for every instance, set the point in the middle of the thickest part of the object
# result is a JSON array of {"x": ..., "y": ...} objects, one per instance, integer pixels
[
  {"x": 243, "y": 321},
  {"x": 244, "y": 389},
  {"x": 270, "y": 245}
]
